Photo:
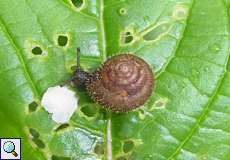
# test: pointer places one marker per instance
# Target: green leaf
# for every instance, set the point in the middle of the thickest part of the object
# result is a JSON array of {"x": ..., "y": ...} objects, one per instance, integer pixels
[{"x": 186, "y": 42}]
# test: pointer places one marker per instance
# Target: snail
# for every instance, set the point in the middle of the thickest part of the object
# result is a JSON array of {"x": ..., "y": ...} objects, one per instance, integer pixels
[{"x": 123, "y": 82}]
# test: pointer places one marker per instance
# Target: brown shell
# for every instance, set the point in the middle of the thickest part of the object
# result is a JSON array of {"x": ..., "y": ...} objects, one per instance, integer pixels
[{"x": 124, "y": 82}]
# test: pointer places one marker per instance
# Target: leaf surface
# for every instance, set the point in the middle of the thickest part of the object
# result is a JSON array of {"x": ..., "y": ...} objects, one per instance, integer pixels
[{"x": 186, "y": 42}]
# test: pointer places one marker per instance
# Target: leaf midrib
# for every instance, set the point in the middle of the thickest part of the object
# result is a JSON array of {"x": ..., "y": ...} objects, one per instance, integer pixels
[
  {"x": 104, "y": 57},
  {"x": 102, "y": 25}
]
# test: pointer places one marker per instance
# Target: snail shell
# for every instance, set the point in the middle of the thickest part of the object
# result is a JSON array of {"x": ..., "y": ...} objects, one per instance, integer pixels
[{"x": 123, "y": 83}]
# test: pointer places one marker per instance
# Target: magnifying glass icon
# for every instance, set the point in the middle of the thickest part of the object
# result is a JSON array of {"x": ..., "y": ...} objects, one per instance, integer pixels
[{"x": 9, "y": 147}]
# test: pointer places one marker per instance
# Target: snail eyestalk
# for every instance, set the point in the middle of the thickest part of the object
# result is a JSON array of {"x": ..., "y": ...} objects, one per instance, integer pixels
[
  {"x": 78, "y": 59},
  {"x": 80, "y": 76}
]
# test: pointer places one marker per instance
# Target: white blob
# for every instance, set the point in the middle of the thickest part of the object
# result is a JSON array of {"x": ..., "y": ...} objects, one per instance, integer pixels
[{"x": 61, "y": 102}]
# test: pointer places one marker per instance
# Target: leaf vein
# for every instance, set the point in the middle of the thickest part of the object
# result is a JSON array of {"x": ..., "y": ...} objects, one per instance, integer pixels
[
  {"x": 203, "y": 114},
  {"x": 164, "y": 67},
  {"x": 21, "y": 58}
]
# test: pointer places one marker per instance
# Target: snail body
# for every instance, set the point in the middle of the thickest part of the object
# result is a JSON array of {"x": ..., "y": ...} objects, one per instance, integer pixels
[{"x": 123, "y": 83}]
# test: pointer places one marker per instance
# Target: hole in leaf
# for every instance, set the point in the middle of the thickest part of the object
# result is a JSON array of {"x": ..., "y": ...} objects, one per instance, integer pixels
[
  {"x": 62, "y": 126},
  {"x": 180, "y": 12},
  {"x": 121, "y": 158},
  {"x": 77, "y": 3},
  {"x": 128, "y": 33},
  {"x": 102, "y": 114},
  {"x": 128, "y": 37},
  {"x": 38, "y": 142},
  {"x": 59, "y": 158},
  {"x": 156, "y": 32},
  {"x": 33, "y": 106},
  {"x": 122, "y": 11},
  {"x": 62, "y": 40},
  {"x": 89, "y": 111},
  {"x": 159, "y": 104},
  {"x": 34, "y": 133},
  {"x": 128, "y": 146},
  {"x": 142, "y": 111},
  {"x": 37, "y": 50},
  {"x": 73, "y": 68},
  {"x": 99, "y": 149}
]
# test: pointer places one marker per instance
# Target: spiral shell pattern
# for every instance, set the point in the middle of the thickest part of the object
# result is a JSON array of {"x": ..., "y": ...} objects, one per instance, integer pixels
[{"x": 123, "y": 83}]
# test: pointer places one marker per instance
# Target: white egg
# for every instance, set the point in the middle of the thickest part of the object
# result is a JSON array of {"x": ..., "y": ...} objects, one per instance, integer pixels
[{"x": 61, "y": 102}]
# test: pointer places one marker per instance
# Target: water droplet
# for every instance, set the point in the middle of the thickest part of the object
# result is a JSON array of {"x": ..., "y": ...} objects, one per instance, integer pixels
[{"x": 215, "y": 48}]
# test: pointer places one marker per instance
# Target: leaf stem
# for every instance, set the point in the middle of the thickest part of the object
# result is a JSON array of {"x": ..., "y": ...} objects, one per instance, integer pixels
[
  {"x": 109, "y": 138},
  {"x": 103, "y": 30}
]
